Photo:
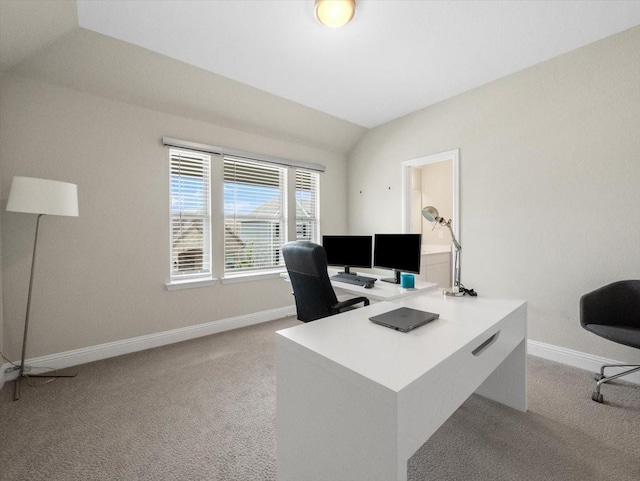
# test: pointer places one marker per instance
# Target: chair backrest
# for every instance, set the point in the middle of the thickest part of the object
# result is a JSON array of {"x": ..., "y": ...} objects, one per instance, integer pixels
[
  {"x": 307, "y": 266},
  {"x": 616, "y": 304}
]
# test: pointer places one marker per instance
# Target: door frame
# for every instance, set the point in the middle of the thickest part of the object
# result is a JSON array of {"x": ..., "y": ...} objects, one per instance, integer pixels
[{"x": 454, "y": 156}]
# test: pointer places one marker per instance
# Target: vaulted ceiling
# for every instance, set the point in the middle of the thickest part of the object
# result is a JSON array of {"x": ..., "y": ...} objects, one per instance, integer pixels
[{"x": 265, "y": 64}]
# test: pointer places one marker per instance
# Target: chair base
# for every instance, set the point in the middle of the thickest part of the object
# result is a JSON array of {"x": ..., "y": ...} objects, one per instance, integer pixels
[{"x": 601, "y": 378}]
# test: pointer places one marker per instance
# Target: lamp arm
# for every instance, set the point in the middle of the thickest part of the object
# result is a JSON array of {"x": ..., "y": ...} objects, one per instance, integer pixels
[
  {"x": 453, "y": 237},
  {"x": 456, "y": 277}
]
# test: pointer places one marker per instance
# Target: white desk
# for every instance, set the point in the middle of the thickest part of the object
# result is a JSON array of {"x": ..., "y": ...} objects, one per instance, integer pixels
[
  {"x": 356, "y": 400},
  {"x": 381, "y": 291}
]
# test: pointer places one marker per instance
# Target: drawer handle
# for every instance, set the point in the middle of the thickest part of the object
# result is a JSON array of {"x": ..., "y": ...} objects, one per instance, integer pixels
[{"x": 482, "y": 347}]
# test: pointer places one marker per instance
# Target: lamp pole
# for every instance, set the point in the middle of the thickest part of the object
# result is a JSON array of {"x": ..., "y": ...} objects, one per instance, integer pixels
[
  {"x": 21, "y": 372},
  {"x": 31, "y": 195},
  {"x": 458, "y": 248},
  {"x": 432, "y": 215}
]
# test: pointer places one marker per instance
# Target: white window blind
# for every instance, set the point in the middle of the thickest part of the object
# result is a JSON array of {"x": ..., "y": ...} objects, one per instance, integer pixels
[
  {"x": 254, "y": 215},
  {"x": 190, "y": 215},
  {"x": 307, "y": 206}
]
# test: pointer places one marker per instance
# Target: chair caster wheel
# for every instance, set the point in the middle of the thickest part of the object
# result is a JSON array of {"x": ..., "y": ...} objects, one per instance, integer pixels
[
  {"x": 598, "y": 377},
  {"x": 597, "y": 397}
]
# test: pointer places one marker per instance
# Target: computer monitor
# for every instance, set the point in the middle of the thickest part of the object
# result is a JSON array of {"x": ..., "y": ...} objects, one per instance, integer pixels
[
  {"x": 400, "y": 252},
  {"x": 348, "y": 251}
]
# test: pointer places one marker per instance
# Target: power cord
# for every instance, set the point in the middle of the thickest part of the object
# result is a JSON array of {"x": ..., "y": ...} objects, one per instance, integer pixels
[
  {"x": 8, "y": 360},
  {"x": 468, "y": 292},
  {"x": 28, "y": 369}
]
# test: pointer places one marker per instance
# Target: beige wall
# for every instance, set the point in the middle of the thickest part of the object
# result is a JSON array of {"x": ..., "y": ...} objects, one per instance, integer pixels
[
  {"x": 431, "y": 184},
  {"x": 100, "y": 277},
  {"x": 550, "y": 183},
  {"x": 437, "y": 190},
  {"x": 2, "y": 206}
]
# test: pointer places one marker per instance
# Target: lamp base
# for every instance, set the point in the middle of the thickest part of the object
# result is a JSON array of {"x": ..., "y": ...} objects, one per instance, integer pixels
[
  {"x": 23, "y": 375},
  {"x": 452, "y": 293}
]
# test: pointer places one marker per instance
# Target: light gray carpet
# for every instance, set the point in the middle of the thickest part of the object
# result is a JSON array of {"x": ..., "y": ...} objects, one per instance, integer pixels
[{"x": 205, "y": 410}]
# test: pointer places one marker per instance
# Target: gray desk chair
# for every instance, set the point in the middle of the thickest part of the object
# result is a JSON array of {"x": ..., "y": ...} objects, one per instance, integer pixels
[
  {"x": 613, "y": 312},
  {"x": 315, "y": 298}
]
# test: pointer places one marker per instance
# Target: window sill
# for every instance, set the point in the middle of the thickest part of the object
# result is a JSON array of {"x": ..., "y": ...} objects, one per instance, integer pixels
[
  {"x": 230, "y": 279},
  {"x": 191, "y": 283},
  {"x": 251, "y": 276}
]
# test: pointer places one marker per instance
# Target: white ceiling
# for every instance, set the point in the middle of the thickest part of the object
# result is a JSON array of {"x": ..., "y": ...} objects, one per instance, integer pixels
[{"x": 394, "y": 58}]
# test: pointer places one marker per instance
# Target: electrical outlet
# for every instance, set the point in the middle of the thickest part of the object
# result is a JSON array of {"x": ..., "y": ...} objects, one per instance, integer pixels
[{"x": 440, "y": 235}]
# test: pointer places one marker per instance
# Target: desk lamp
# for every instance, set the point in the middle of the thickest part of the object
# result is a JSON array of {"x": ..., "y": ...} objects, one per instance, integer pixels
[
  {"x": 431, "y": 214},
  {"x": 42, "y": 197}
]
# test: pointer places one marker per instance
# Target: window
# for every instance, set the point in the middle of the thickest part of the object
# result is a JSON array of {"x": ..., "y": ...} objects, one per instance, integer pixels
[
  {"x": 307, "y": 206},
  {"x": 254, "y": 215},
  {"x": 259, "y": 203},
  {"x": 190, "y": 215}
]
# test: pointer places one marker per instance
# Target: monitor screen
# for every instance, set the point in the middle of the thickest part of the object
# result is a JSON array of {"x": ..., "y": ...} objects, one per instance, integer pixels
[
  {"x": 400, "y": 252},
  {"x": 348, "y": 250}
]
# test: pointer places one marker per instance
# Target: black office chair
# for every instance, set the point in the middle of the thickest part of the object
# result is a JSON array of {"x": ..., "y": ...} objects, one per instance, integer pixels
[
  {"x": 613, "y": 312},
  {"x": 307, "y": 266}
]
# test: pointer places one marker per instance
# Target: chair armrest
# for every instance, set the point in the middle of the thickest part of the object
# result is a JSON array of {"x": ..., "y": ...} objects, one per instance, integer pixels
[{"x": 349, "y": 302}]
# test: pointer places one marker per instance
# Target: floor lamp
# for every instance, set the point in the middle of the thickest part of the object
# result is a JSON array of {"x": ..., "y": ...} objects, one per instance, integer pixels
[
  {"x": 431, "y": 214},
  {"x": 41, "y": 197}
]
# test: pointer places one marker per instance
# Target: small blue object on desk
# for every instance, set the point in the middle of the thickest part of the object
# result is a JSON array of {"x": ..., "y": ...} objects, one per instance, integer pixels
[{"x": 407, "y": 281}]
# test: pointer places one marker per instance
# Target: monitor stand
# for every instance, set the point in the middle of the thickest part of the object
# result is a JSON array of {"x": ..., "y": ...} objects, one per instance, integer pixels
[
  {"x": 347, "y": 271},
  {"x": 393, "y": 280}
]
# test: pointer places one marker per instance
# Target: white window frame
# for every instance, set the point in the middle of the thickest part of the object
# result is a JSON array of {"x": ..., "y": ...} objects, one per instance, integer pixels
[
  {"x": 204, "y": 274},
  {"x": 274, "y": 215},
  {"x": 215, "y": 240},
  {"x": 313, "y": 217}
]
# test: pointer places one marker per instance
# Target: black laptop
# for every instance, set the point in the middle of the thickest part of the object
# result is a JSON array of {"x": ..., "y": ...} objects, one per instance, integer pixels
[{"x": 404, "y": 319}]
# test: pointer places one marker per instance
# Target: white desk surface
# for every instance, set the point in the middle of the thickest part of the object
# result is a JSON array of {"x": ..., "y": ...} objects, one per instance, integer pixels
[
  {"x": 381, "y": 291},
  {"x": 395, "y": 359}
]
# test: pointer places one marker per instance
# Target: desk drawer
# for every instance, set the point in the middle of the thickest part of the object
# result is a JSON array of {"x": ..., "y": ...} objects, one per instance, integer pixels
[{"x": 451, "y": 382}]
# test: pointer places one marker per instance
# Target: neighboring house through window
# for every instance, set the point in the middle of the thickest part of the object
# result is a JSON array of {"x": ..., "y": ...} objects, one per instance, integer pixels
[
  {"x": 190, "y": 215},
  {"x": 254, "y": 215},
  {"x": 307, "y": 205}
]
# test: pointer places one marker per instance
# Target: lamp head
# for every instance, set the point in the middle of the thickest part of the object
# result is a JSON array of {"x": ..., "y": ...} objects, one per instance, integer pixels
[{"x": 431, "y": 214}]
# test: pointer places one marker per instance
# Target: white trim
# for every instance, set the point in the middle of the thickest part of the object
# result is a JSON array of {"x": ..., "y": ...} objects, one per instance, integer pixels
[
  {"x": 3, "y": 373},
  {"x": 126, "y": 346},
  {"x": 252, "y": 276},
  {"x": 212, "y": 149},
  {"x": 190, "y": 283},
  {"x": 578, "y": 359},
  {"x": 454, "y": 156},
  {"x": 581, "y": 360}
]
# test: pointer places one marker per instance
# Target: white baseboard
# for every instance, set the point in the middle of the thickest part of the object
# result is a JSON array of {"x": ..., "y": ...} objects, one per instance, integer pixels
[
  {"x": 61, "y": 360},
  {"x": 578, "y": 359},
  {"x": 126, "y": 346}
]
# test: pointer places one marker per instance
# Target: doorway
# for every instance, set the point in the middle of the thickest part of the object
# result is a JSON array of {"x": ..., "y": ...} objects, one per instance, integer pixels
[{"x": 432, "y": 180}]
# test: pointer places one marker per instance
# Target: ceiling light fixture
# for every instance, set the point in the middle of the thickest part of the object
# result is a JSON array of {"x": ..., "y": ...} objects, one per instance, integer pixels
[{"x": 335, "y": 13}]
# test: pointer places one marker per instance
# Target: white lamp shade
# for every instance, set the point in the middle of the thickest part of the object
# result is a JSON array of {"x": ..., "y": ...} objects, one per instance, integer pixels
[{"x": 42, "y": 196}]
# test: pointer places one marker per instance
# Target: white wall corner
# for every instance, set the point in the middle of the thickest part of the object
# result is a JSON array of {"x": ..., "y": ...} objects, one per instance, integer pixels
[
  {"x": 4, "y": 368},
  {"x": 578, "y": 359}
]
